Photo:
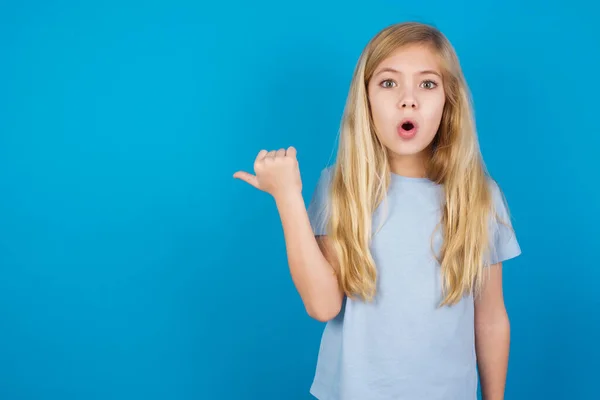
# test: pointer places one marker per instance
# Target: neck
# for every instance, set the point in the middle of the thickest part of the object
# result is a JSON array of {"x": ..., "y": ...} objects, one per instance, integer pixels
[{"x": 412, "y": 166}]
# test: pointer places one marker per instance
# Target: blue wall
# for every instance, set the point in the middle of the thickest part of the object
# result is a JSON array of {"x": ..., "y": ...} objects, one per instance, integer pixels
[{"x": 132, "y": 265}]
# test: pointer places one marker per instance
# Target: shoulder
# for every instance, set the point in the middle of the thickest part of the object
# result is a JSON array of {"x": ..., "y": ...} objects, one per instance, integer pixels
[
  {"x": 327, "y": 172},
  {"x": 500, "y": 211},
  {"x": 493, "y": 187},
  {"x": 496, "y": 193},
  {"x": 504, "y": 244},
  {"x": 325, "y": 178},
  {"x": 318, "y": 208}
]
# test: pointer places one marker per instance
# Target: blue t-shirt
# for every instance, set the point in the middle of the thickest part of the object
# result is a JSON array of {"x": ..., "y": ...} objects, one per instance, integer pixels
[{"x": 403, "y": 346}]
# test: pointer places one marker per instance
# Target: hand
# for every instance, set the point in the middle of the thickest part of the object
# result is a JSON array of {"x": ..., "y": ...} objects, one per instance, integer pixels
[{"x": 277, "y": 172}]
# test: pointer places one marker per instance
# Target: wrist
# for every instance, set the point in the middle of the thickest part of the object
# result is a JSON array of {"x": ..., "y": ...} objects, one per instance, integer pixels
[{"x": 287, "y": 197}]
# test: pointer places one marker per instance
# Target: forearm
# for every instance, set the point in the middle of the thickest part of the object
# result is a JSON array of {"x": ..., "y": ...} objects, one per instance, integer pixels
[
  {"x": 311, "y": 273},
  {"x": 492, "y": 339}
]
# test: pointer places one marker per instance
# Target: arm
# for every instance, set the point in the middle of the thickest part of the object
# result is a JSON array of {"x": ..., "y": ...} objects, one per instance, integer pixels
[
  {"x": 492, "y": 336},
  {"x": 310, "y": 260}
]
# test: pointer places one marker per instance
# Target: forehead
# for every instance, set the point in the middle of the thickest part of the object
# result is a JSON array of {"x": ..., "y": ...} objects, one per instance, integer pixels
[{"x": 413, "y": 58}]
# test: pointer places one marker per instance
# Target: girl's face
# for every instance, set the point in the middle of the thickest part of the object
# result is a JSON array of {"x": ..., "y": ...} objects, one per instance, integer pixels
[{"x": 406, "y": 95}]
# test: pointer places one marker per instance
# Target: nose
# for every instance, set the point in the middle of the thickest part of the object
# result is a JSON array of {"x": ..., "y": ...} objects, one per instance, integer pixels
[{"x": 407, "y": 100}]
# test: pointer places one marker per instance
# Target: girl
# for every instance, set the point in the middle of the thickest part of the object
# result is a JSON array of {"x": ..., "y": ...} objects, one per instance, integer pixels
[{"x": 402, "y": 245}]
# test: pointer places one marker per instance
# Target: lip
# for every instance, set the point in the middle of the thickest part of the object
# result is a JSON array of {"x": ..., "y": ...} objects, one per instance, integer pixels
[{"x": 407, "y": 134}]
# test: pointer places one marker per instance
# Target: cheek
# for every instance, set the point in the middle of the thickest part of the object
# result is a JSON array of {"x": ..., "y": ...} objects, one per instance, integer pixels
[
  {"x": 382, "y": 109},
  {"x": 436, "y": 107}
]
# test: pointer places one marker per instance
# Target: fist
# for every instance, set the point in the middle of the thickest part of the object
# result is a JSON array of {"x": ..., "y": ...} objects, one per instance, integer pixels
[{"x": 277, "y": 172}]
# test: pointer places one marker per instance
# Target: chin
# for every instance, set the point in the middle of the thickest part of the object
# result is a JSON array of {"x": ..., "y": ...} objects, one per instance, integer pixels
[{"x": 408, "y": 149}]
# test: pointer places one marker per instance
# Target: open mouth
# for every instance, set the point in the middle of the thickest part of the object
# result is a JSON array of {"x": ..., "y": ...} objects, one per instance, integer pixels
[
  {"x": 408, "y": 126},
  {"x": 407, "y": 129}
]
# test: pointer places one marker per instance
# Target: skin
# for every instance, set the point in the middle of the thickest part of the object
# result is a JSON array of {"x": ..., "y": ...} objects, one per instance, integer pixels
[
  {"x": 406, "y": 84},
  {"x": 310, "y": 259},
  {"x": 492, "y": 336}
]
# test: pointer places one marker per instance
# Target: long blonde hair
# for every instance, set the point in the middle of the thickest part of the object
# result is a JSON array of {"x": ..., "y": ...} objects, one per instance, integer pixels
[{"x": 361, "y": 174}]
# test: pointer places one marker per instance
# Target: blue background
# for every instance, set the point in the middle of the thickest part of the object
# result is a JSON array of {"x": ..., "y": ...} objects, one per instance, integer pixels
[{"x": 132, "y": 264}]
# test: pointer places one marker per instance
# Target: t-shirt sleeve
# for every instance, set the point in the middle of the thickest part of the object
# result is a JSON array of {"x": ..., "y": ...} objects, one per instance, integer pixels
[
  {"x": 504, "y": 244},
  {"x": 318, "y": 207}
]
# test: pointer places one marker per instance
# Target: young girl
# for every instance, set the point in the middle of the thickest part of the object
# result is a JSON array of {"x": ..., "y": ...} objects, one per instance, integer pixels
[{"x": 401, "y": 247}]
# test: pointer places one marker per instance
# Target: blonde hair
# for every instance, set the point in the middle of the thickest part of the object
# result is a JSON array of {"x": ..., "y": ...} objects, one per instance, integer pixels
[{"x": 361, "y": 174}]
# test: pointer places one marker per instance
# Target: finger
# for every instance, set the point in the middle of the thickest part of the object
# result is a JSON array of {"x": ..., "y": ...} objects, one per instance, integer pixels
[
  {"x": 246, "y": 177},
  {"x": 291, "y": 152},
  {"x": 261, "y": 155},
  {"x": 280, "y": 153},
  {"x": 272, "y": 154}
]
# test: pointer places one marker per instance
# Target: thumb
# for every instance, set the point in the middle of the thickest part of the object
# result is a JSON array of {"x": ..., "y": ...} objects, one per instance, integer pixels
[
  {"x": 291, "y": 151},
  {"x": 246, "y": 177}
]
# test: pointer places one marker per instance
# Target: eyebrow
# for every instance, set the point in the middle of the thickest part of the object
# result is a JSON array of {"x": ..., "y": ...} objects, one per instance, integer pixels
[{"x": 425, "y": 72}]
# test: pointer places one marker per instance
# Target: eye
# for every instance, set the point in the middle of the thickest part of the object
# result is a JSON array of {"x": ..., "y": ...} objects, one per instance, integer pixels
[
  {"x": 429, "y": 84},
  {"x": 383, "y": 83}
]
